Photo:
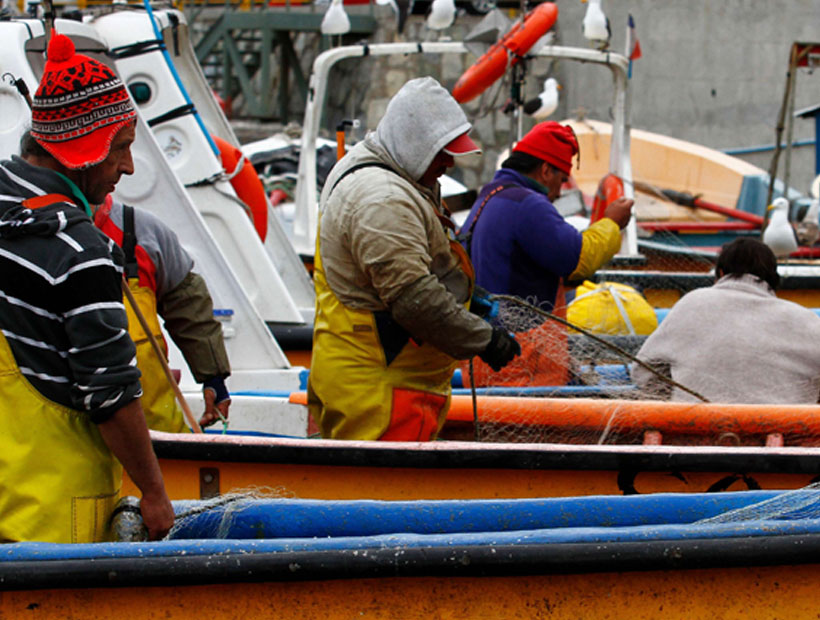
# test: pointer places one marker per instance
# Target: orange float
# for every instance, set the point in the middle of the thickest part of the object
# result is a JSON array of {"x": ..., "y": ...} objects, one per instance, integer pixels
[
  {"x": 610, "y": 189},
  {"x": 506, "y": 52},
  {"x": 666, "y": 417},
  {"x": 636, "y": 416},
  {"x": 245, "y": 183}
]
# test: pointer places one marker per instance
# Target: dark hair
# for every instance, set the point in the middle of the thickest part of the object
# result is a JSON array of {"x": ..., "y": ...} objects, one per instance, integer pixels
[
  {"x": 745, "y": 255},
  {"x": 522, "y": 162},
  {"x": 29, "y": 146}
]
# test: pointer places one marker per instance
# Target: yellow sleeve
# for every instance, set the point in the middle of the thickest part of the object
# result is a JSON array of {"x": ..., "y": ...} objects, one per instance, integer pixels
[{"x": 600, "y": 242}]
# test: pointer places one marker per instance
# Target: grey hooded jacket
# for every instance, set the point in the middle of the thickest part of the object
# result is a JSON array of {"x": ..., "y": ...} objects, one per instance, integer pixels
[{"x": 381, "y": 242}]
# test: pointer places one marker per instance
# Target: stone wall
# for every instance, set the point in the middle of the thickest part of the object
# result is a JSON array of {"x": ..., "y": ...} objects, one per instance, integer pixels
[{"x": 712, "y": 72}]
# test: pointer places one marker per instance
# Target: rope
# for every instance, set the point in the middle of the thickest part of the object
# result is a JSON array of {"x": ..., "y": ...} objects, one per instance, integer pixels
[
  {"x": 189, "y": 416},
  {"x": 475, "y": 402},
  {"x": 222, "y": 500},
  {"x": 617, "y": 297},
  {"x": 598, "y": 339},
  {"x": 218, "y": 178}
]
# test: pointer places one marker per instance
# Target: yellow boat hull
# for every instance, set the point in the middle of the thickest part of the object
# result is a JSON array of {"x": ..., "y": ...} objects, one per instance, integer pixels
[
  {"x": 204, "y": 467},
  {"x": 743, "y": 592}
]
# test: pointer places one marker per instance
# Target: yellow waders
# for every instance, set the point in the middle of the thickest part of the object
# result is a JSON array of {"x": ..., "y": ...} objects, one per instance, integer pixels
[
  {"x": 162, "y": 412},
  {"x": 59, "y": 481},
  {"x": 354, "y": 394}
]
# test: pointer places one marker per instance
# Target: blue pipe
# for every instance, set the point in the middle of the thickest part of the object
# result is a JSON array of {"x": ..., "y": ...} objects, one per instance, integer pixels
[
  {"x": 747, "y": 150},
  {"x": 176, "y": 77}
]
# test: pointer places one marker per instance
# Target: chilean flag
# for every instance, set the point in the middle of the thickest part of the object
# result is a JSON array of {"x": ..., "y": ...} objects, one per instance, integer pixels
[{"x": 633, "y": 46}]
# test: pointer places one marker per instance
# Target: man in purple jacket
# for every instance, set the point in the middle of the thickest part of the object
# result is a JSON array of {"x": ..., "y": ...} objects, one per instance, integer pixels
[{"x": 519, "y": 243}]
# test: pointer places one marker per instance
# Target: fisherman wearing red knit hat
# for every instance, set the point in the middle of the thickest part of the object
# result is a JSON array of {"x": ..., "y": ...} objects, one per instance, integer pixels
[
  {"x": 69, "y": 388},
  {"x": 521, "y": 245}
]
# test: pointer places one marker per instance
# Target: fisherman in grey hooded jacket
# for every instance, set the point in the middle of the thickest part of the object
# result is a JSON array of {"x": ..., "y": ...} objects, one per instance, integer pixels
[{"x": 392, "y": 291}]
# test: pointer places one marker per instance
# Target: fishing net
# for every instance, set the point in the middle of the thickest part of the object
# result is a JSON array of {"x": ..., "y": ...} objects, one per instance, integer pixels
[
  {"x": 210, "y": 518},
  {"x": 803, "y": 503},
  {"x": 575, "y": 384},
  {"x": 255, "y": 516}
]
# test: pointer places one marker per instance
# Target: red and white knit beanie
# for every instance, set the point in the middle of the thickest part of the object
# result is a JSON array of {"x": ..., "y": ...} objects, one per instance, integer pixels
[{"x": 79, "y": 106}]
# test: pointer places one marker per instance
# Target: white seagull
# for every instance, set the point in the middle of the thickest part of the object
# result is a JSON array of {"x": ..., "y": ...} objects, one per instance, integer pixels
[
  {"x": 335, "y": 20},
  {"x": 808, "y": 230},
  {"x": 596, "y": 25},
  {"x": 779, "y": 234},
  {"x": 442, "y": 13},
  {"x": 546, "y": 102}
]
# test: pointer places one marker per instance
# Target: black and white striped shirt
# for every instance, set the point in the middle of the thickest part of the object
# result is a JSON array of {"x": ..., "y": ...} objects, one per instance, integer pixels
[{"x": 61, "y": 307}]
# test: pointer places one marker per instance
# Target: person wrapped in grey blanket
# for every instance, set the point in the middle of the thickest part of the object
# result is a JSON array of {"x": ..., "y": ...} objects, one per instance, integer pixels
[{"x": 736, "y": 342}]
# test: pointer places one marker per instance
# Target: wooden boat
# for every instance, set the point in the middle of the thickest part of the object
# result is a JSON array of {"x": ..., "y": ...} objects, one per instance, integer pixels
[
  {"x": 644, "y": 556},
  {"x": 666, "y": 163},
  {"x": 680, "y": 243},
  {"x": 210, "y": 465}
]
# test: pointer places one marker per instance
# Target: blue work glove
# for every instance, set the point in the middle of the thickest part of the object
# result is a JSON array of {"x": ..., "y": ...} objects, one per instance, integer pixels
[
  {"x": 482, "y": 305},
  {"x": 501, "y": 350}
]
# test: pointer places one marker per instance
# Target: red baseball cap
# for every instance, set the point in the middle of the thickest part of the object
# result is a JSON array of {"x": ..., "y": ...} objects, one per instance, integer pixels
[{"x": 462, "y": 145}]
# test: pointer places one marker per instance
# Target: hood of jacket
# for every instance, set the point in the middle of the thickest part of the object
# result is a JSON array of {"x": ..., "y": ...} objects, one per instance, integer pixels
[
  {"x": 420, "y": 120},
  {"x": 21, "y": 179}
]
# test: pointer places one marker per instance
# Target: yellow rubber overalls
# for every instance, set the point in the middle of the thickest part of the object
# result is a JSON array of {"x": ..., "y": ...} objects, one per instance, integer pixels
[
  {"x": 354, "y": 392},
  {"x": 60, "y": 481},
  {"x": 162, "y": 412}
]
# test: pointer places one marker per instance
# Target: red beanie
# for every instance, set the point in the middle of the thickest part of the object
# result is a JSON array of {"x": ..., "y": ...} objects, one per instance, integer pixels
[
  {"x": 550, "y": 142},
  {"x": 79, "y": 106}
]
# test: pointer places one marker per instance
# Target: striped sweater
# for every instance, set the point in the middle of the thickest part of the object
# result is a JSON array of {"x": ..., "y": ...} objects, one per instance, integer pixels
[{"x": 61, "y": 307}]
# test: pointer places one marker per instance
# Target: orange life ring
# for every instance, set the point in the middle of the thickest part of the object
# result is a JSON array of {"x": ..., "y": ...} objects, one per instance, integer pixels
[
  {"x": 609, "y": 190},
  {"x": 246, "y": 184},
  {"x": 507, "y": 51}
]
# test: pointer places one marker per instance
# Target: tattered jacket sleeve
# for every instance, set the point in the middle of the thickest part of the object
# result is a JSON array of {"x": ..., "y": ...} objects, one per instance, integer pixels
[
  {"x": 600, "y": 242},
  {"x": 390, "y": 244},
  {"x": 187, "y": 311},
  {"x": 427, "y": 310}
]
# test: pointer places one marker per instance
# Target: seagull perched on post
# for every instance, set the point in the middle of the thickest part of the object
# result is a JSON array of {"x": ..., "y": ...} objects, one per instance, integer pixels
[
  {"x": 335, "y": 20},
  {"x": 546, "y": 102},
  {"x": 402, "y": 9},
  {"x": 596, "y": 25},
  {"x": 808, "y": 229},
  {"x": 779, "y": 234},
  {"x": 441, "y": 15}
]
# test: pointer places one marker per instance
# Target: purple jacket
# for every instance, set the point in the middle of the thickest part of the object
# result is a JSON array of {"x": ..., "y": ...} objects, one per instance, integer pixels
[{"x": 521, "y": 245}]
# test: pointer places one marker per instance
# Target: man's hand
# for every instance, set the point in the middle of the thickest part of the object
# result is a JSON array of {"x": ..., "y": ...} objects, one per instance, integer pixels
[
  {"x": 213, "y": 411},
  {"x": 501, "y": 350},
  {"x": 126, "y": 435},
  {"x": 620, "y": 211},
  {"x": 157, "y": 514}
]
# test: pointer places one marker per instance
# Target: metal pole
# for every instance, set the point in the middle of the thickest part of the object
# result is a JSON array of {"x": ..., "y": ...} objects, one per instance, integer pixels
[
  {"x": 787, "y": 165},
  {"x": 189, "y": 416},
  {"x": 781, "y": 119}
]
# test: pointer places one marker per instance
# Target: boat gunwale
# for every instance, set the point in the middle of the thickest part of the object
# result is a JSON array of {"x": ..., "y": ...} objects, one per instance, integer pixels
[{"x": 460, "y": 455}]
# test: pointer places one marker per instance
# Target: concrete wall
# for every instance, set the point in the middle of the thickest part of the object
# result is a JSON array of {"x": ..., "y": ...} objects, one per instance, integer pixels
[{"x": 712, "y": 72}]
